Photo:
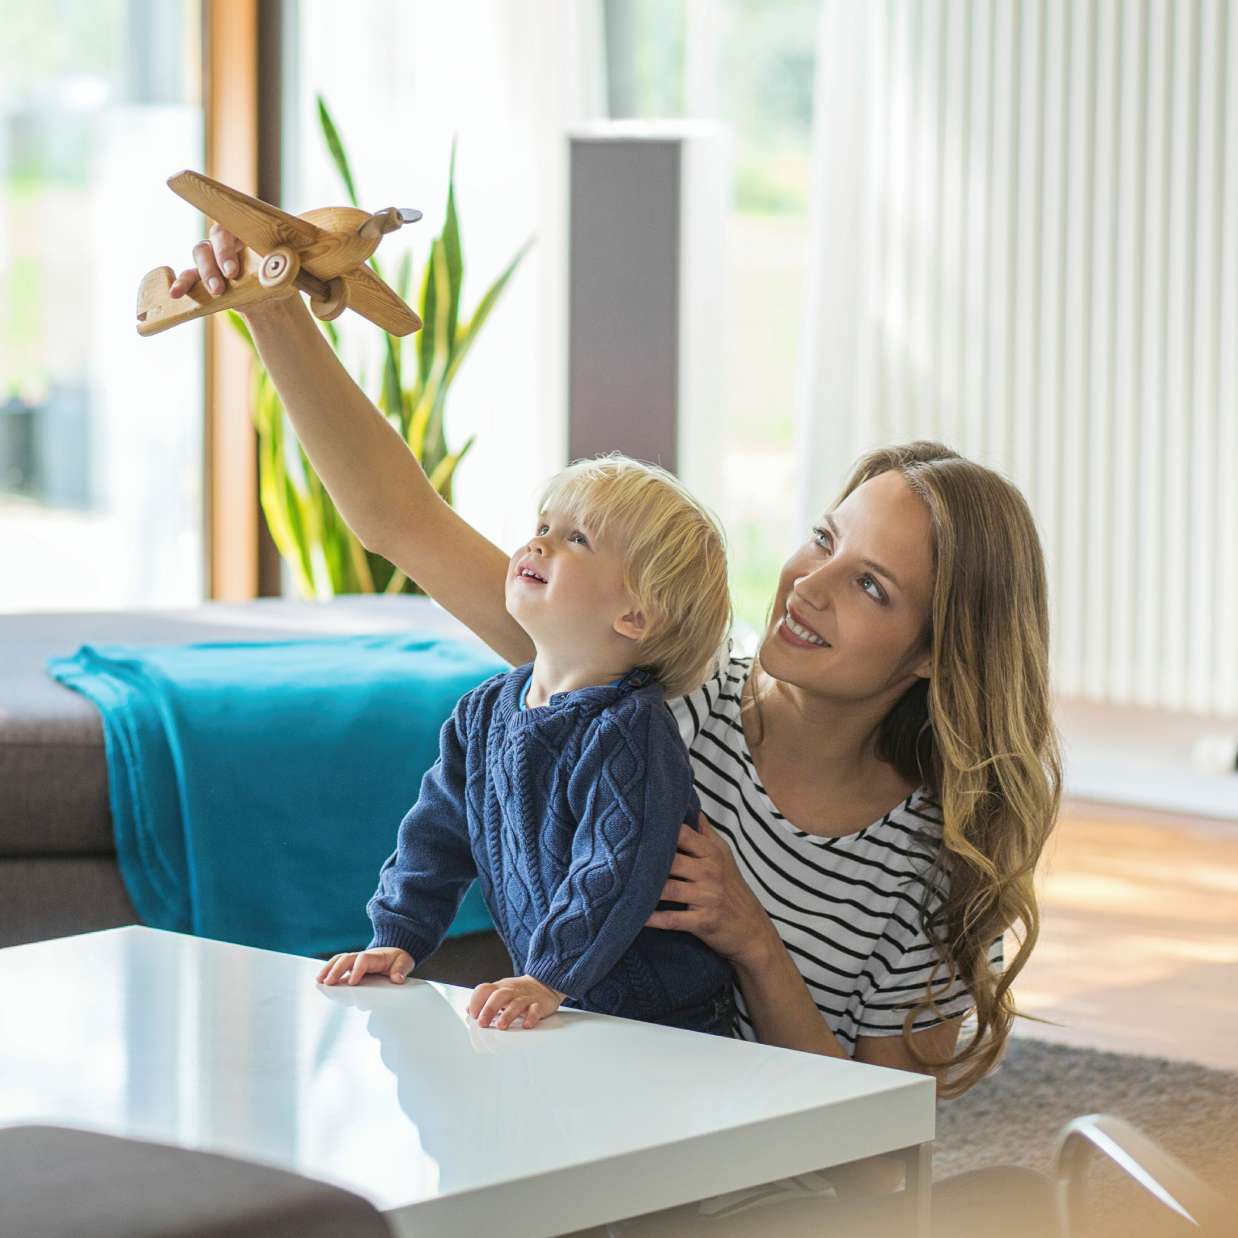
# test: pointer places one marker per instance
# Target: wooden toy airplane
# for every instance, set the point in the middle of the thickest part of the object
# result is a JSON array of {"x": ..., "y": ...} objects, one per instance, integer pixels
[{"x": 322, "y": 252}]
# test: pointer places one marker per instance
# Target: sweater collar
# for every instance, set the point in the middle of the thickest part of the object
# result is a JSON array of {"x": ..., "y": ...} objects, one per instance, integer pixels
[{"x": 587, "y": 700}]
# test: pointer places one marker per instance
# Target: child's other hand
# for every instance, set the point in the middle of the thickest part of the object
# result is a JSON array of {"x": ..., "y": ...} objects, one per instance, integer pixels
[
  {"x": 498, "y": 1004},
  {"x": 390, "y": 961}
]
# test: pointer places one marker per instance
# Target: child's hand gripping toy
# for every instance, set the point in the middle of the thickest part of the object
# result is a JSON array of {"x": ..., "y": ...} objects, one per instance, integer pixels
[{"x": 322, "y": 253}]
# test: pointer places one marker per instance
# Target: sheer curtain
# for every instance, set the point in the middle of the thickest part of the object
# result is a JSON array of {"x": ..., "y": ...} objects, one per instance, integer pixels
[
  {"x": 506, "y": 78},
  {"x": 1026, "y": 244}
]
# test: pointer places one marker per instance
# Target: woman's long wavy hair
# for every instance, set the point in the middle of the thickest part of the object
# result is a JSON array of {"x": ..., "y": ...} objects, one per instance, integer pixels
[{"x": 979, "y": 735}]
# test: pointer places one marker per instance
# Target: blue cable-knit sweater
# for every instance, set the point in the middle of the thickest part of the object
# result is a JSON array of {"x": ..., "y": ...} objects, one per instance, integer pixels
[{"x": 568, "y": 815}]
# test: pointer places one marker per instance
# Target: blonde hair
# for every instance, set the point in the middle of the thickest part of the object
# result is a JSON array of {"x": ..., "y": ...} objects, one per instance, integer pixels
[
  {"x": 674, "y": 559},
  {"x": 979, "y": 735}
]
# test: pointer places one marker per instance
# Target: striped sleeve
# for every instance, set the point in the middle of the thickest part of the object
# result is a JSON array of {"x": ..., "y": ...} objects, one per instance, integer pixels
[
  {"x": 907, "y": 982},
  {"x": 692, "y": 709}
]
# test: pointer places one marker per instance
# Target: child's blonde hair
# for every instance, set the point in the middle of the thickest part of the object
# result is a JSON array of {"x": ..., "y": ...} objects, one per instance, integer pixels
[{"x": 674, "y": 559}]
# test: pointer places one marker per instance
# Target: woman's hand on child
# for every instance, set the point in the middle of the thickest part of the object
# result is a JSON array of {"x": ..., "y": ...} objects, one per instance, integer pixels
[
  {"x": 387, "y": 961},
  {"x": 518, "y": 997},
  {"x": 721, "y": 908}
]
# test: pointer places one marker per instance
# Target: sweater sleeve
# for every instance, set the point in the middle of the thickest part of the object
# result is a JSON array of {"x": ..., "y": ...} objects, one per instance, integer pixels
[
  {"x": 422, "y": 883},
  {"x": 629, "y": 793}
]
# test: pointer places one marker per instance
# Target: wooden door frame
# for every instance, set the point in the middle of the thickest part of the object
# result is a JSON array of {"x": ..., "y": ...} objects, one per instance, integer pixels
[{"x": 241, "y": 56}]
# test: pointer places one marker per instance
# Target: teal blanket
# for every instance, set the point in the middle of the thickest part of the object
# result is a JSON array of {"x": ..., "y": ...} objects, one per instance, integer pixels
[{"x": 256, "y": 788}]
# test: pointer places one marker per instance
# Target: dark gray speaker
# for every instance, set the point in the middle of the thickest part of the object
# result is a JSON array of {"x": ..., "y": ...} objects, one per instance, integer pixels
[{"x": 647, "y": 209}]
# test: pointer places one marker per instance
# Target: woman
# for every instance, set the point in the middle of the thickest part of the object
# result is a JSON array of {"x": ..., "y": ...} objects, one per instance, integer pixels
[{"x": 878, "y": 782}]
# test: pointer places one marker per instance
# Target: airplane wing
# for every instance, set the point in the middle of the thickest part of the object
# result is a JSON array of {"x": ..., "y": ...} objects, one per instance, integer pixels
[
  {"x": 261, "y": 226},
  {"x": 372, "y": 299}
]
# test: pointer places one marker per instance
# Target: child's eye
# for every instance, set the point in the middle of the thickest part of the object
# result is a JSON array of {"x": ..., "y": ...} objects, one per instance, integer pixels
[
  {"x": 584, "y": 541},
  {"x": 542, "y": 529}
]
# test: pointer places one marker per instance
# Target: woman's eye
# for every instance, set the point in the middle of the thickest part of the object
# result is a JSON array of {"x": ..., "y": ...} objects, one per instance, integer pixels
[
  {"x": 878, "y": 594},
  {"x": 822, "y": 538}
]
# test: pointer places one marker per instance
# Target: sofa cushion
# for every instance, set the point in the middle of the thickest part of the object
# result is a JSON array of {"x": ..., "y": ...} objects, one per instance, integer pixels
[
  {"x": 53, "y": 773},
  {"x": 58, "y": 896}
]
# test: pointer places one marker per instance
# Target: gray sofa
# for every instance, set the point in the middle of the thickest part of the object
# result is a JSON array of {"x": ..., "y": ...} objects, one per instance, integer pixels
[
  {"x": 62, "y": 1183},
  {"x": 58, "y": 872}
]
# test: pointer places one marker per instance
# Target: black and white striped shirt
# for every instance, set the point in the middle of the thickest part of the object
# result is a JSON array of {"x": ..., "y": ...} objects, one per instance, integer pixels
[{"x": 846, "y": 908}]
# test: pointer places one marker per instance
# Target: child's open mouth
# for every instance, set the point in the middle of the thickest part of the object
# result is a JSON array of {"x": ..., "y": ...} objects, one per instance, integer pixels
[{"x": 527, "y": 573}]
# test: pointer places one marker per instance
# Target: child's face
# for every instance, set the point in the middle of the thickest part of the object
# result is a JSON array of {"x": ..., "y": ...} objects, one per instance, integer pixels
[{"x": 565, "y": 588}]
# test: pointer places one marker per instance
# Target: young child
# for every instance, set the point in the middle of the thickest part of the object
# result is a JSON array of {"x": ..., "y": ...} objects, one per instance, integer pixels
[{"x": 562, "y": 785}]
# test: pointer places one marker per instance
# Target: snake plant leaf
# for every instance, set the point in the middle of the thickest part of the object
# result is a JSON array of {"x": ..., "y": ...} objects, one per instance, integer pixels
[
  {"x": 332, "y": 558},
  {"x": 436, "y": 379},
  {"x": 332, "y": 333},
  {"x": 416, "y": 436},
  {"x": 403, "y": 282},
  {"x": 379, "y": 568},
  {"x": 445, "y": 471},
  {"x": 412, "y": 398},
  {"x": 362, "y": 577},
  {"x": 392, "y": 398},
  {"x": 314, "y": 518},
  {"x": 429, "y": 318},
  {"x": 268, "y": 418},
  {"x": 241, "y": 327},
  {"x": 442, "y": 310},
  {"x": 324, "y": 555},
  {"x": 453, "y": 253},
  {"x": 435, "y": 446},
  {"x": 468, "y": 333},
  {"x": 336, "y": 148},
  {"x": 322, "y": 572},
  {"x": 404, "y": 275},
  {"x": 301, "y": 559}
]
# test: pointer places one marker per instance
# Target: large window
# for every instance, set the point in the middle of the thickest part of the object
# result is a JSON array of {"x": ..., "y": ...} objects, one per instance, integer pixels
[
  {"x": 100, "y": 431},
  {"x": 751, "y": 66}
]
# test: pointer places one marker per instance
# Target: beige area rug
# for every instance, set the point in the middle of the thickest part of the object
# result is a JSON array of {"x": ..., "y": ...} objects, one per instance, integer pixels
[{"x": 1013, "y": 1118}]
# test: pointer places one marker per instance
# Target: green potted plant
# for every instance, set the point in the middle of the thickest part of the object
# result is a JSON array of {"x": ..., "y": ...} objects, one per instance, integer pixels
[{"x": 417, "y": 371}]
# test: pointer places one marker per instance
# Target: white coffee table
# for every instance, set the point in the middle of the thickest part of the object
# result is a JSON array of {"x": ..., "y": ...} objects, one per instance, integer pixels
[{"x": 393, "y": 1092}]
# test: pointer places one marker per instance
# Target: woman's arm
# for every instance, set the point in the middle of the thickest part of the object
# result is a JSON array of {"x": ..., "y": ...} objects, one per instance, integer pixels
[
  {"x": 934, "y": 1043},
  {"x": 779, "y": 1004},
  {"x": 783, "y": 1013},
  {"x": 725, "y": 914},
  {"x": 375, "y": 481}
]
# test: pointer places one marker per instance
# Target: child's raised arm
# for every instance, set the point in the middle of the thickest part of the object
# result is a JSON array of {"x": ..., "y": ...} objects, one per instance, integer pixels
[{"x": 375, "y": 481}]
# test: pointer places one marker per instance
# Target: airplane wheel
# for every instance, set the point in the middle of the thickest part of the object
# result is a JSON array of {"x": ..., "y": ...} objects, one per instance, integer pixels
[
  {"x": 278, "y": 268},
  {"x": 331, "y": 306}
]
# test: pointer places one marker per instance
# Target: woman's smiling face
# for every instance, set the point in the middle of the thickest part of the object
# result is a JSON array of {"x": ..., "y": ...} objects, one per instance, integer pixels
[{"x": 853, "y": 602}]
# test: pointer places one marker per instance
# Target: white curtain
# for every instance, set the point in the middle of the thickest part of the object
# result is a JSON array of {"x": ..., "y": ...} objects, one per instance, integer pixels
[{"x": 1026, "y": 244}]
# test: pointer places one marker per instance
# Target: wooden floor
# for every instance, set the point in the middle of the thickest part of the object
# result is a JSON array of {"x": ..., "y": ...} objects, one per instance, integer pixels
[{"x": 1138, "y": 950}]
